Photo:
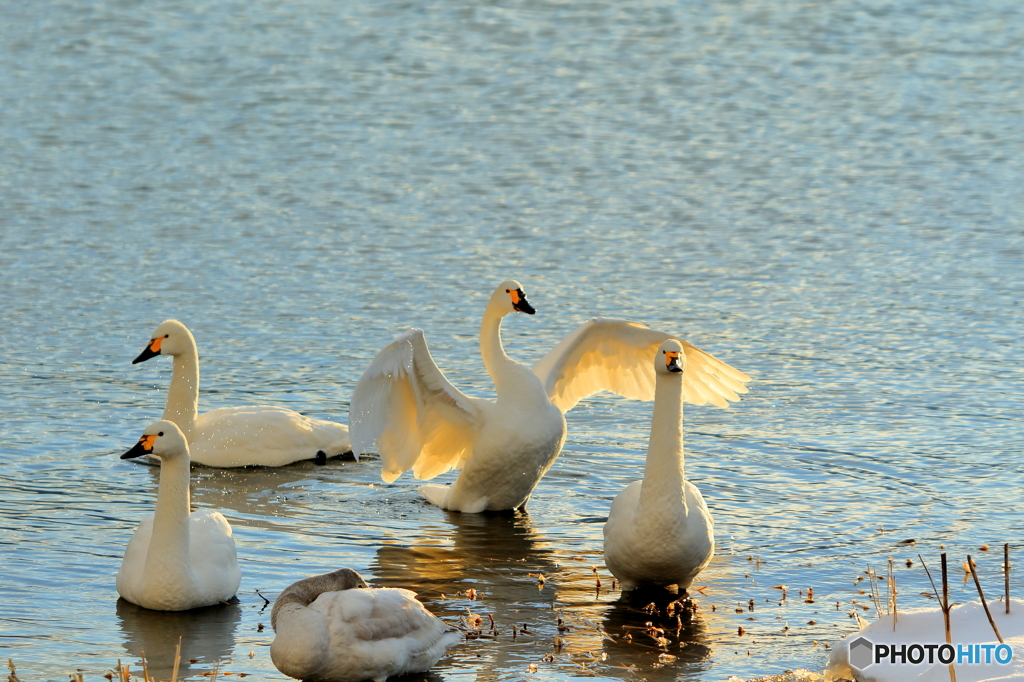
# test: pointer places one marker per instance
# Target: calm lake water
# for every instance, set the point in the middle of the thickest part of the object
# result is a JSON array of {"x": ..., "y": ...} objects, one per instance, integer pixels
[{"x": 828, "y": 196}]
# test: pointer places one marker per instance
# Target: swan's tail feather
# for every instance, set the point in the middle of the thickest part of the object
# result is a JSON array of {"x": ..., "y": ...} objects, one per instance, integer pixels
[
  {"x": 435, "y": 494},
  {"x": 450, "y": 639}
]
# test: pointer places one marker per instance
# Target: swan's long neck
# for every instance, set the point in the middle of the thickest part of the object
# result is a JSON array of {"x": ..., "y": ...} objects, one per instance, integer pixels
[
  {"x": 499, "y": 365},
  {"x": 182, "y": 404},
  {"x": 663, "y": 472},
  {"x": 169, "y": 547}
]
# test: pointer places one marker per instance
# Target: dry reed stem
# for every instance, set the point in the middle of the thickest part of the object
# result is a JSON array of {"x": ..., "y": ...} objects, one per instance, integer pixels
[
  {"x": 977, "y": 583},
  {"x": 935, "y": 590},
  {"x": 875, "y": 596},
  {"x": 177, "y": 661},
  {"x": 13, "y": 677},
  {"x": 1006, "y": 573},
  {"x": 943, "y": 604},
  {"x": 892, "y": 594},
  {"x": 945, "y": 612}
]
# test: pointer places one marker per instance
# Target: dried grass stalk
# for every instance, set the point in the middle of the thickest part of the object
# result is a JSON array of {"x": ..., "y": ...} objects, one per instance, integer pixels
[{"x": 977, "y": 583}]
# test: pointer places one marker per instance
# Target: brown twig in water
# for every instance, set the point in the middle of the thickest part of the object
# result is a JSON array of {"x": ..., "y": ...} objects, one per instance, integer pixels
[
  {"x": 13, "y": 677},
  {"x": 977, "y": 583},
  {"x": 145, "y": 668}
]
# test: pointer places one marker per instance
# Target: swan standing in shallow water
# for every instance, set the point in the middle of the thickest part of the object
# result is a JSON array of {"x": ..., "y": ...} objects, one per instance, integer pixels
[
  {"x": 177, "y": 560},
  {"x": 418, "y": 420},
  {"x": 334, "y": 628},
  {"x": 659, "y": 531},
  {"x": 236, "y": 436}
]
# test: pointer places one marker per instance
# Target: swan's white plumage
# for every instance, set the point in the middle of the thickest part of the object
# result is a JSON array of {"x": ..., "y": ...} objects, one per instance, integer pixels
[
  {"x": 404, "y": 404},
  {"x": 351, "y": 634},
  {"x": 259, "y": 435},
  {"x": 659, "y": 530},
  {"x": 661, "y": 546},
  {"x": 606, "y": 354},
  {"x": 236, "y": 436},
  {"x": 178, "y": 560},
  {"x": 419, "y": 419},
  {"x": 217, "y": 575}
]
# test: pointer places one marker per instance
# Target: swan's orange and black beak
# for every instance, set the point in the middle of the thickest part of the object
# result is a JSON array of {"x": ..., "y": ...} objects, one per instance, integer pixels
[
  {"x": 143, "y": 447},
  {"x": 152, "y": 350},
  {"x": 520, "y": 303},
  {"x": 672, "y": 362}
]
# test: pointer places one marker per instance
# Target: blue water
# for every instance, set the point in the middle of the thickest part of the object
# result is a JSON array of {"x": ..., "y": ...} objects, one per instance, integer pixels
[{"x": 828, "y": 196}]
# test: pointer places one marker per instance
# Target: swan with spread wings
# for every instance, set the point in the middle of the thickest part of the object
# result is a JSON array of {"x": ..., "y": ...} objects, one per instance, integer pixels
[{"x": 405, "y": 407}]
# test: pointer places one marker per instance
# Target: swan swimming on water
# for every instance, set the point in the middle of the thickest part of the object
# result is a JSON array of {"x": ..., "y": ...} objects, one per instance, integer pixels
[
  {"x": 405, "y": 406},
  {"x": 335, "y": 628},
  {"x": 176, "y": 560},
  {"x": 236, "y": 436},
  {"x": 659, "y": 531}
]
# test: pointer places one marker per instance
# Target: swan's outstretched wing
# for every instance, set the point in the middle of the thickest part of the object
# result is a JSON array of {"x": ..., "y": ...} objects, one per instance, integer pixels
[
  {"x": 418, "y": 420},
  {"x": 606, "y": 354}
]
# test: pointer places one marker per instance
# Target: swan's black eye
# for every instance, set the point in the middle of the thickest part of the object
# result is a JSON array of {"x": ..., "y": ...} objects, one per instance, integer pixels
[
  {"x": 160, "y": 434},
  {"x": 508, "y": 291},
  {"x": 167, "y": 336}
]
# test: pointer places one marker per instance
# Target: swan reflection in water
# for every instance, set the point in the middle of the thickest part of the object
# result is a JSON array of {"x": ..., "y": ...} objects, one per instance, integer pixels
[
  {"x": 491, "y": 553},
  {"x": 207, "y": 636},
  {"x": 676, "y": 645},
  {"x": 566, "y": 622}
]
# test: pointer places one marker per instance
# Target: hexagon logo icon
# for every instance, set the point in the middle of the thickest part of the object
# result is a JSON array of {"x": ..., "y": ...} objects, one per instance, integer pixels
[{"x": 862, "y": 653}]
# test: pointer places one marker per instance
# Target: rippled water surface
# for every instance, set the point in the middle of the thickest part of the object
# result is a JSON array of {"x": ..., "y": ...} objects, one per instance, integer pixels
[{"x": 826, "y": 195}]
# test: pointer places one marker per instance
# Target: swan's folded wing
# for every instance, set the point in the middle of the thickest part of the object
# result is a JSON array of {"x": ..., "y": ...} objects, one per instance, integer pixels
[
  {"x": 392, "y": 613},
  {"x": 606, "y": 354},
  {"x": 418, "y": 420},
  {"x": 214, "y": 558}
]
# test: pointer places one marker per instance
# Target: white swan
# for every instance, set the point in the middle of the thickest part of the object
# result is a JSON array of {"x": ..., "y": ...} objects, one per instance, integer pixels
[
  {"x": 236, "y": 436},
  {"x": 659, "y": 531},
  {"x": 420, "y": 421},
  {"x": 330, "y": 629},
  {"x": 176, "y": 560}
]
